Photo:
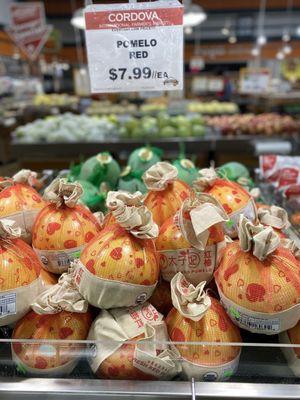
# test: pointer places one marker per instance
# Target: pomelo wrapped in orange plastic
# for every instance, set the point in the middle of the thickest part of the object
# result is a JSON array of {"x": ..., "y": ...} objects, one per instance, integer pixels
[
  {"x": 259, "y": 281},
  {"x": 166, "y": 192},
  {"x": 20, "y": 202},
  {"x": 234, "y": 199},
  {"x": 119, "y": 267},
  {"x": 191, "y": 241},
  {"x": 132, "y": 344},
  {"x": 63, "y": 227},
  {"x": 19, "y": 274},
  {"x": 292, "y": 354},
  {"x": 198, "y": 317},
  {"x": 274, "y": 216},
  {"x": 60, "y": 314}
]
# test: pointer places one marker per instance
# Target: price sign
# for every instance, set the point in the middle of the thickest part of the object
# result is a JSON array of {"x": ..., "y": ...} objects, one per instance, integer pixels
[
  {"x": 255, "y": 80},
  {"x": 135, "y": 47},
  {"x": 28, "y": 27}
]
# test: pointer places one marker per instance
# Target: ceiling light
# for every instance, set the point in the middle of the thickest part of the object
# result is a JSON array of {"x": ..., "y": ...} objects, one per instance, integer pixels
[
  {"x": 280, "y": 55},
  {"x": 287, "y": 49},
  {"x": 232, "y": 39},
  {"x": 261, "y": 40},
  {"x": 225, "y": 31},
  {"x": 255, "y": 51},
  {"x": 193, "y": 16},
  {"x": 193, "y": 19},
  {"x": 286, "y": 37},
  {"x": 188, "y": 30},
  {"x": 78, "y": 20}
]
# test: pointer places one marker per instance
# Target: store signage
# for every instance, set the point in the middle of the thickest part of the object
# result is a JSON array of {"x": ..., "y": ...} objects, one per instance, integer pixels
[
  {"x": 135, "y": 47},
  {"x": 255, "y": 81},
  {"x": 28, "y": 27},
  {"x": 197, "y": 64}
]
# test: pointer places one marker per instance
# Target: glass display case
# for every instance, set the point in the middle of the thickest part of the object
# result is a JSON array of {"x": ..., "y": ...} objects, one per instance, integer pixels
[{"x": 266, "y": 367}]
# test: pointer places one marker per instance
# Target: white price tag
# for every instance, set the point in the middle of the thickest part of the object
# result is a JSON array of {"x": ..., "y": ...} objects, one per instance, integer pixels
[
  {"x": 273, "y": 147},
  {"x": 135, "y": 47},
  {"x": 8, "y": 304}
]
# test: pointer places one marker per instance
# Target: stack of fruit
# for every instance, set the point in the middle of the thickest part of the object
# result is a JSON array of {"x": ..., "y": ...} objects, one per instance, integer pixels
[
  {"x": 146, "y": 268},
  {"x": 107, "y": 108},
  {"x": 249, "y": 124},
  {"x": 66, "y": 128},
  {"x": 54, "y": 100},
  {"x": 82, "y": 128},
  {"x": 163, "y": 126},
  {"x": 213, "y": 107}
]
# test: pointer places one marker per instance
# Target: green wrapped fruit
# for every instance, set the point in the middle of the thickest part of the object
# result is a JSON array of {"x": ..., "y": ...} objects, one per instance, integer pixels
[
  {"x": 131, "y": 182},
  {"x": 233, "y": 171},
  {"x": 187, "y": 172},
  {"x": 247, "y": 183},
  {"x": 74, "y": 173},
  {"x": 91, "y": 197},
  {"x": 101, "y": 168},
  {"x": 143, "y": 158}
]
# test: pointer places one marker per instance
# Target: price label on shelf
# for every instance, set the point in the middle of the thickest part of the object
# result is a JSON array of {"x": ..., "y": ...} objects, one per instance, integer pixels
[
  {"x": 254, "y": 80},
  {"x": 135, "y": 47}
]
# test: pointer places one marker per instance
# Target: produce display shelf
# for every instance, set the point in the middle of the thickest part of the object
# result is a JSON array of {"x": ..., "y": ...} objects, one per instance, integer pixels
[
  {"x": 20, "y": 389},
  {"x": 212, "y": 143}
]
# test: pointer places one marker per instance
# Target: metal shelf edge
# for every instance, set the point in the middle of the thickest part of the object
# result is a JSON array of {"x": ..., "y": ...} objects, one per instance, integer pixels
[{"x": 88, "y": 387}]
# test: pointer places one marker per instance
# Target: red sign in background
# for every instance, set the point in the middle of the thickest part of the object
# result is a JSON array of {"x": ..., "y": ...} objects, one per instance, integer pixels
[{"x": 28, "y": 27}]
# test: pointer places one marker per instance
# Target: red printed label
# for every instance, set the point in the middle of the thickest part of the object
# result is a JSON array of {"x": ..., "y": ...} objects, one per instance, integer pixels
[
  {"x": 268, "y": 162},
  {"x": 78, "y": 276},
  {"x": 27, "y": 13},
  {"x": 141, "y": 316},
  {"x": 293, "y": 190},
  {"x": 123, "y": 19},
  {"x": 194, "y": 264},
  {"x": 288, "y": 176}
]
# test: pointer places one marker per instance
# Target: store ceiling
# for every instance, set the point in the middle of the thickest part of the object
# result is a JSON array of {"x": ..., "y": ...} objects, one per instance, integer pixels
[
  {"x": 64, "y": 7},
  {"x": 241, "y": 14}
]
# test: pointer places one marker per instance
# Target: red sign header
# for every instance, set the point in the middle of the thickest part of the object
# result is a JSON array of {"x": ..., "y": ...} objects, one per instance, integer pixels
[
  {"x": 133, "y": 18},
  {"x": 27, "y": 13}
]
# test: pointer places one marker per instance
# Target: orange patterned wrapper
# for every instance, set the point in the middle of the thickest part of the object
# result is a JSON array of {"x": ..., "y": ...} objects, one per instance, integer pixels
[
  {"x": 231, "y": 195},
  {"x": 215, "y": 326},
  {"x": 177, "y": 254},
  {"x": 120, "y": 364},
  {"x": 62, "y": 229},
  {"x": 19, "y": 279},
  {"x": 132, "y": 343},
  {"x": 192, "y": 240},
  {"x": 235, "y": 200},
  {"x": 122, "y": 258},
  {"x": 164, "y": 204},
  {"x": 21, "y": 203},
  {"x": 259, "y": 293},
  {"x": 197, "y": 318},
  {"x": 48, "y": 358},
  {"x": 166, "y": 192},
  {"x": 115, "y": 255}
]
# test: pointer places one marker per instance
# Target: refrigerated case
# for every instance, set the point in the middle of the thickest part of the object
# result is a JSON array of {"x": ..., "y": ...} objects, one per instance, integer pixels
[
  {"x": 263, "y": 372},
  {"x": 267, "y": 367}
]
